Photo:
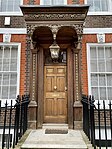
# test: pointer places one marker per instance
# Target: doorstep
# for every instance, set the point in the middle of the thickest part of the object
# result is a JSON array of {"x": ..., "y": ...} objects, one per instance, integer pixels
[{"x": 38, "y": 139}]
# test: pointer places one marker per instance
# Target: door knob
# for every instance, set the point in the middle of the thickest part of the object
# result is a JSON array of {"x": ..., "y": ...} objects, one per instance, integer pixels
[
  {"x": 65, "y": 88},
  {"x": 55, "y": 87}
]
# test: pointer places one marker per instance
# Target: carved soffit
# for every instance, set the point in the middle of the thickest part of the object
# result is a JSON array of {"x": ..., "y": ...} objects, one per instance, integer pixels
[{"x": 54, "y": 28}]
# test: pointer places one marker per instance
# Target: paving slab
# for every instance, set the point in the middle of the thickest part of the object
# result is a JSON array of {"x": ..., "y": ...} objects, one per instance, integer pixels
[{"x": 37, "y": 139}]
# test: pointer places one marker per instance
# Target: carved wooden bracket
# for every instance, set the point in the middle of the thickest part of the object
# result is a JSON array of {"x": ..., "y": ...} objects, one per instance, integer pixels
[{"x": 54, "y": 29}]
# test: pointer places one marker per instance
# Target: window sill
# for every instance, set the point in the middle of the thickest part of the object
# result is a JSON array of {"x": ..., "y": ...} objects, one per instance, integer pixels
[
  {"x": 99, "y": 13},
  {"x": 11, "y": 14}
]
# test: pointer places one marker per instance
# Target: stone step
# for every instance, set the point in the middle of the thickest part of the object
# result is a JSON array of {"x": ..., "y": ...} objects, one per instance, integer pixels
[
  {"x": 37, "y": 139},
  {"x": 55, "y": 126}
]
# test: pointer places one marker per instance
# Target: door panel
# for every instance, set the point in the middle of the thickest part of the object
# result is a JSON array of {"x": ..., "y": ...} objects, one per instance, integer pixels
[{"x": 55, "y": 94}]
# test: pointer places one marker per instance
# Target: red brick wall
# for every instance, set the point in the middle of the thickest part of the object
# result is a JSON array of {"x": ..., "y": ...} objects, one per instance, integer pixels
[
  {"x": 84, "y": 74},
  {"x": 69, "y": 1},
  {"x": 21, "y": 39},
  {"x": 81, "y": 1},
  {"x": 1, "y": 38},
  {"x": 25, "y": 2}
]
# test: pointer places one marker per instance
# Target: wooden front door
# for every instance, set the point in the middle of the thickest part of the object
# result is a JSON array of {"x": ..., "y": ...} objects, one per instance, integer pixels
[{"x": 55, "y": 94}]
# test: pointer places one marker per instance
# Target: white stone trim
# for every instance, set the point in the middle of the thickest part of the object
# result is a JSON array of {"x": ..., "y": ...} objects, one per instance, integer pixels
[
  {"x": 99, "y": 13},
  {"x": 97, "y": 30},
  {"x": 11, "y": 13},
  {"x": 13, "y": 31}
]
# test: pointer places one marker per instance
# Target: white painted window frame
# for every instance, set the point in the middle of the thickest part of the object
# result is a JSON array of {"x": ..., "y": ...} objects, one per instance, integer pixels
[
  {"x": 101, "y": 12},
  {"x": 18, "y": 70},
  {"x": 42, "y": 2},
  {"x": 88, "y": 45},
  {"x": 12, "y": 13}
]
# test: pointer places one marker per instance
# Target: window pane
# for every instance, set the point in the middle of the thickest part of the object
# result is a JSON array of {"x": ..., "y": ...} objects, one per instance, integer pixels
[
  {"x": 10, "y": 5},
  {"x": 108, "y": 52},
  {"x": 6, "y": 79},
  {"x": 16, "y": 5},
  {"x": 53, "y": 2},
  {"x": 94, "y": 80},
  {"x": 0, "y": 92},
  {"x": 109, "y": 65},
  {"x": 57, "y": 2},
  {"x": 102, "y": 81},
  {"x": 6, "y": 65},
  {"x": 4, "y": 92},
  {"x": 13, "y": 65},
  {"x": 93, "y": 53},
  {"x": 14, "y": 52},
  {"x": 101, "y": 65},
  {"x": 95, "y": 92},
  {"x": 109, "y": 80},
  {"x": 12, "y": 94},
  {"x": 105, "y": 5},
  {"x": 93, "y": 66},
  {"x": 103, "y": 93},
  {"x": 110, "y": 93},
  {"x": 98, "y": 5},
  {"x": 0, "y": 79},
  {"x": 3, "y": 5},
  {"x": 13, "y": 79},
  {"x": 6, "y": 52},
  {"x": 100, "y": 52},
  {"x": 0, "y": 64},
  {"x": 1, "y": 51},
  {"x": 47, "y": 2}
]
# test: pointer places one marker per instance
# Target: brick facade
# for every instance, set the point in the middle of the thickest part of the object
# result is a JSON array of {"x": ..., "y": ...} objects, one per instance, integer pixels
[{"x": 92, "y": 21}]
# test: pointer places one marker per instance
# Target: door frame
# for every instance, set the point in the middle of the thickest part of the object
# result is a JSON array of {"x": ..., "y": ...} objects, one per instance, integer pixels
[{"x": 40, "y": 87}]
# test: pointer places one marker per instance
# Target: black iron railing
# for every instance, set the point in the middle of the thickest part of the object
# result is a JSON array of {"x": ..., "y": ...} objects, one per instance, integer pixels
[
  {"x": 13, "y": 121},
  {"x": 97, "y": 121}
]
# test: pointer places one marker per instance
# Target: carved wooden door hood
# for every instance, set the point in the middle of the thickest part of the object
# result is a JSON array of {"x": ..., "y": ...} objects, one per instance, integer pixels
[{"x": 53, "y": 13}]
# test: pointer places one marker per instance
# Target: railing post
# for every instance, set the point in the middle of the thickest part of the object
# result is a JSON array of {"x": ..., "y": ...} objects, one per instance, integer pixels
[
  {"x": 106, "y": 144},
  {"x": 3, "y": 136},
  {"x": 86, "y": 115},
  {"x": 16, "y": 124},
  {"x": 110, "y": 109},
  {"x": 9, "y": 141},
  {"x": 21, "y": 120},
  {"x": 99, "y": 125},
  {"x": 92, "y": 121}
]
